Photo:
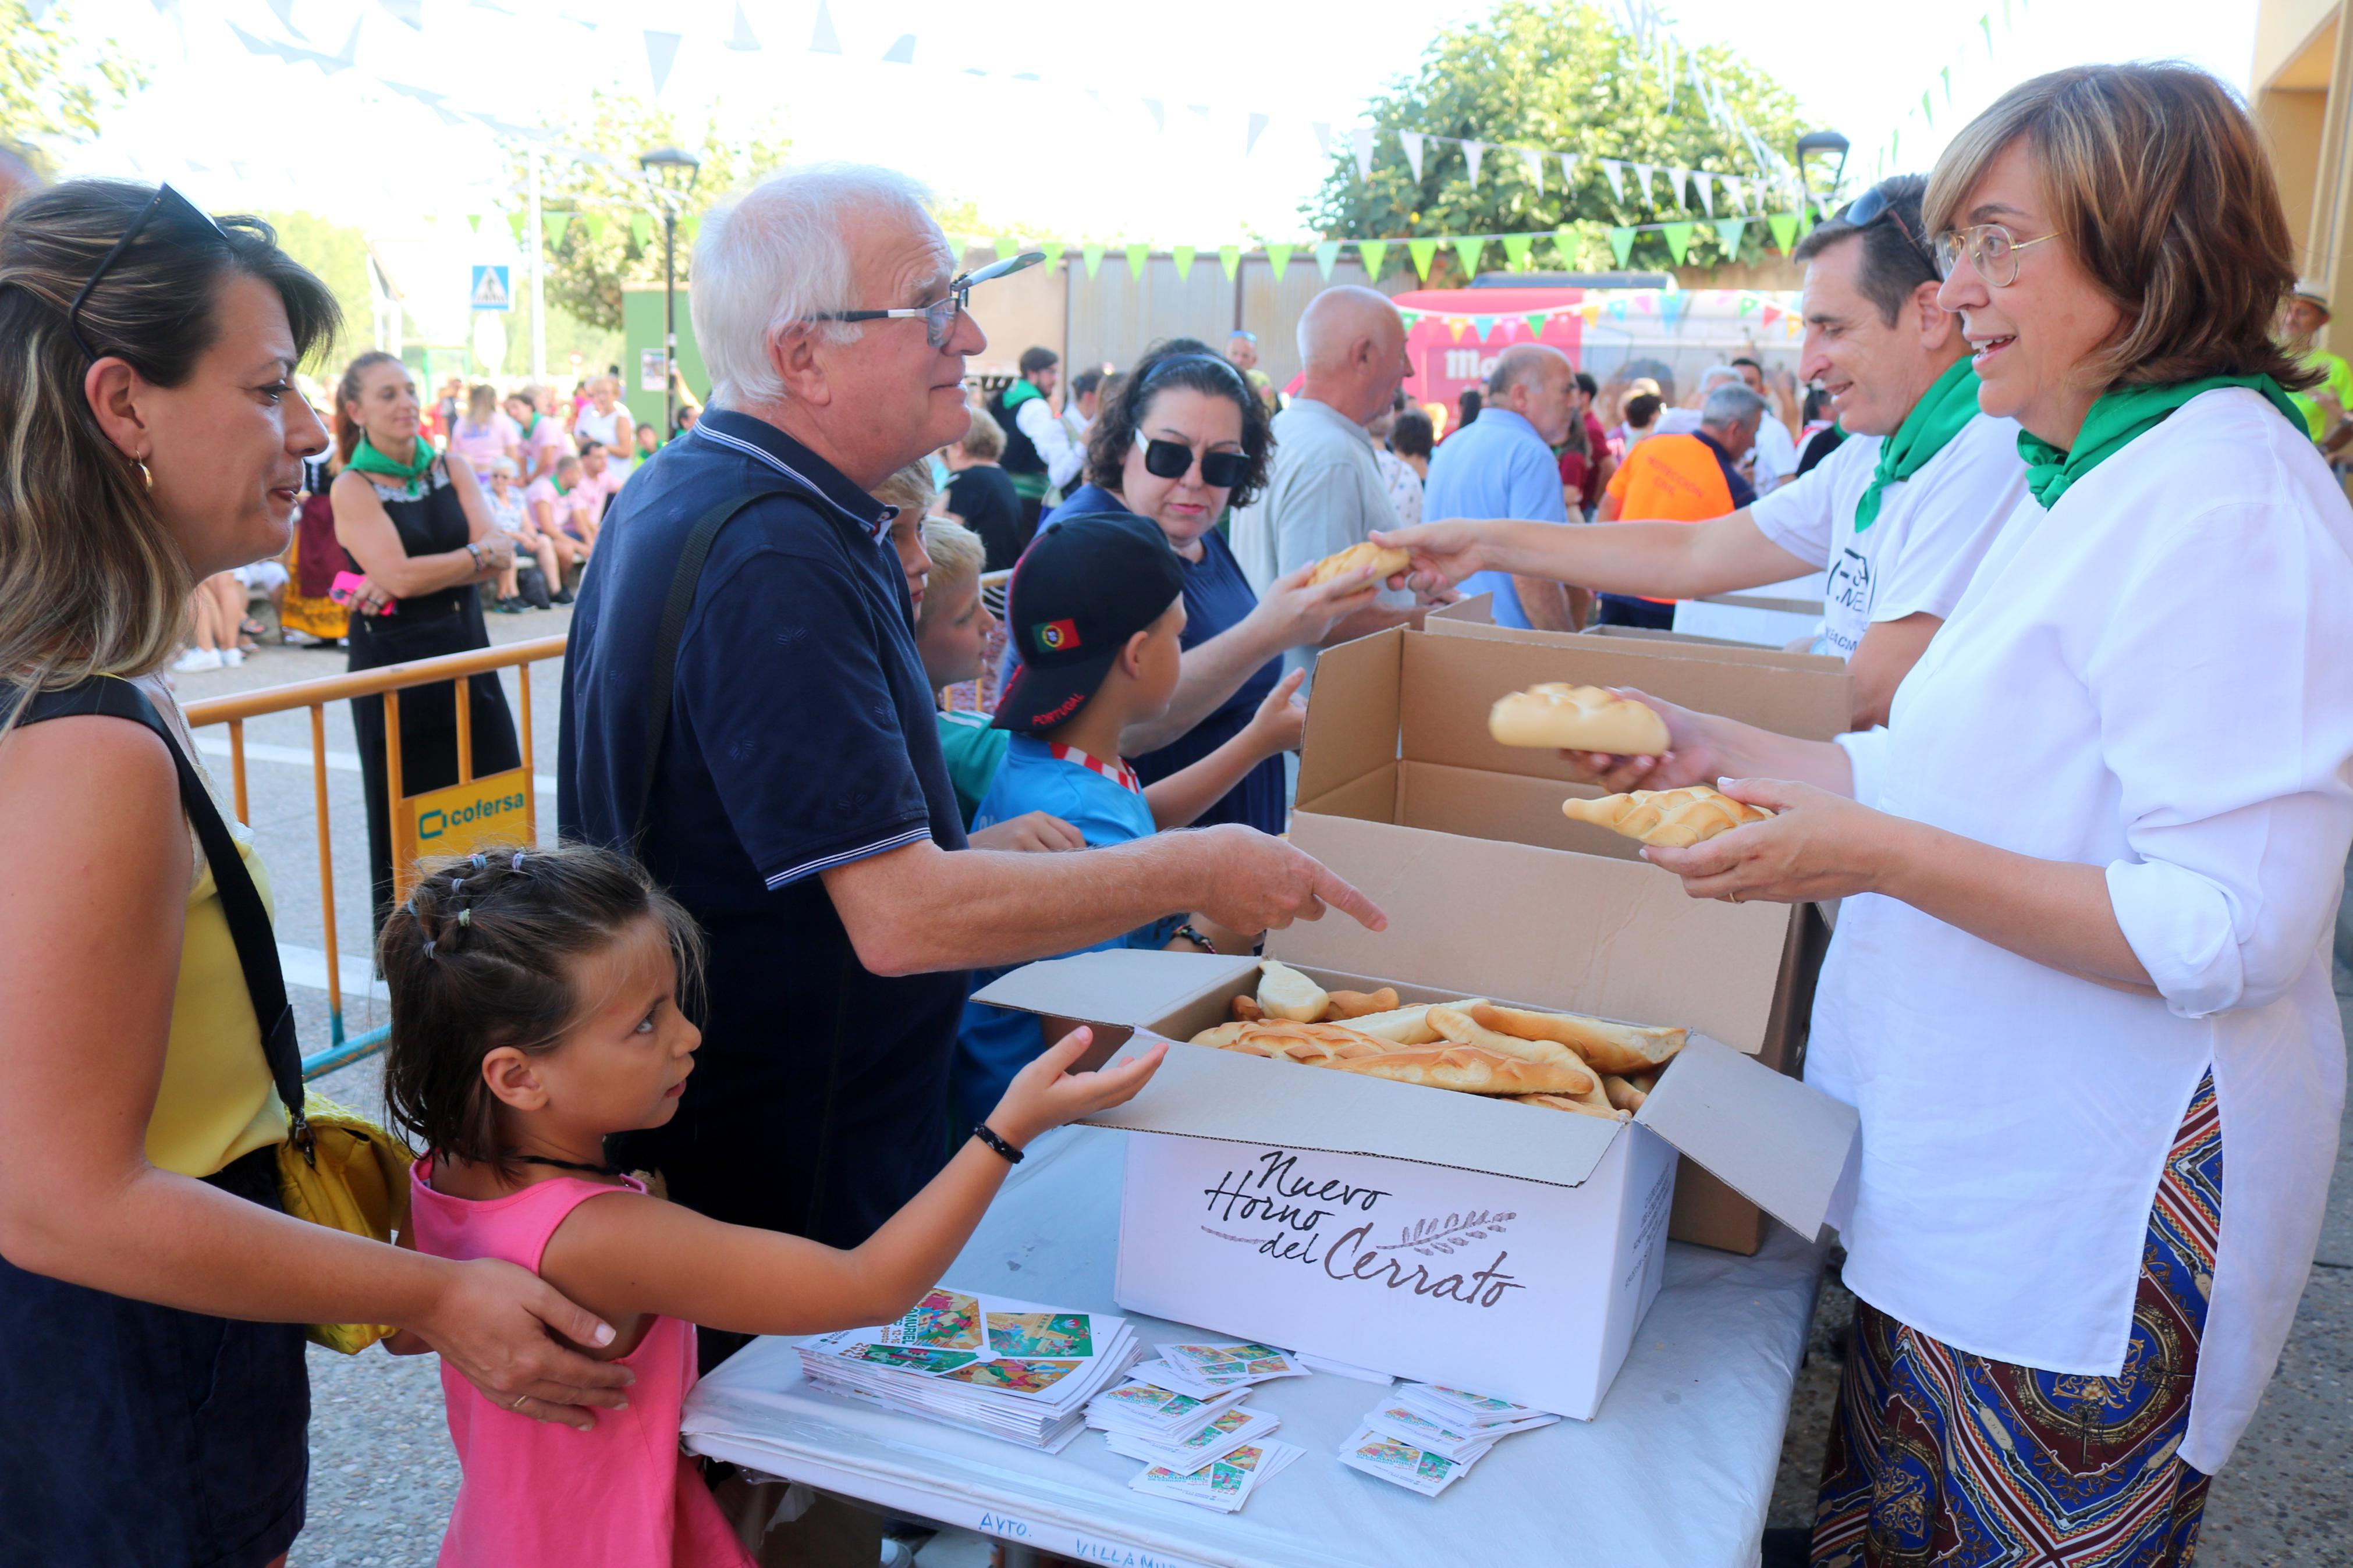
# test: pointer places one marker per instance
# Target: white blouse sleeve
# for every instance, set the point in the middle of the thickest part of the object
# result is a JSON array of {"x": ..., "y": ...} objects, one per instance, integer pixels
[
  {"x": 1866, "y": 755},
  {"x": 2223, "y": 686}
]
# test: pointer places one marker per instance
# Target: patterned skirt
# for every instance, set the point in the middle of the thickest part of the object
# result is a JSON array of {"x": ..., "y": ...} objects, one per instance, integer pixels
[{"x": 1938, "y": 1457}]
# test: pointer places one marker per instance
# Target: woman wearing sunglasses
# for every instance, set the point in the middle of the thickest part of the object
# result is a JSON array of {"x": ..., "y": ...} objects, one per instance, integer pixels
[
  {"x": 152, "y": 1288},
  {"x": 1186, "y": 438},
  {"x": 2080, "y": 986}
]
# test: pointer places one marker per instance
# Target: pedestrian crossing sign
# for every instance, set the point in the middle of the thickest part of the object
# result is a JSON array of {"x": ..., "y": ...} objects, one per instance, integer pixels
[{"x": 490, "y": 291}]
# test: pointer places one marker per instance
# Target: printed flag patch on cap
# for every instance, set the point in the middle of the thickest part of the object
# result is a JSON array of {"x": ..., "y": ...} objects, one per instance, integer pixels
[{"x": 1060, "y": 636}]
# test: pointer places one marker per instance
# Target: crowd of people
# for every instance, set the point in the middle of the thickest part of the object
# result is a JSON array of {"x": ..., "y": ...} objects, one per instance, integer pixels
[{"x": 2077, "y": 841}]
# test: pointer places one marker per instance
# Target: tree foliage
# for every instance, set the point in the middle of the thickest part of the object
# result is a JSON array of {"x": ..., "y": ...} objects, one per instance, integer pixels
[
  {"x": 614, "y": 234},
  {"x": 55, "y": 86},
  {"x": 1562, "y": 76}
]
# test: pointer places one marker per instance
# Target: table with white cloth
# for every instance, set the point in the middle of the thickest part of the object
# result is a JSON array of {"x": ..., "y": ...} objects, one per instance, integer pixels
[{"x": 1677, "y": 1468}]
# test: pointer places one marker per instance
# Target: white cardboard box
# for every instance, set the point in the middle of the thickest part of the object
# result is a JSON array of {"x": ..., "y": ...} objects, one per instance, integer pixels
[{"x": 1444, "y": 1236}]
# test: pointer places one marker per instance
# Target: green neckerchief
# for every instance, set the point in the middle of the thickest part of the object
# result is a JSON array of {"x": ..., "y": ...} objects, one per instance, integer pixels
[
  {"x": 2117, "y": 416},
  {"x": 1950, "y": 403},
  {"x": 1019, "y": 393},
  {"x": 369, "y": 460}
]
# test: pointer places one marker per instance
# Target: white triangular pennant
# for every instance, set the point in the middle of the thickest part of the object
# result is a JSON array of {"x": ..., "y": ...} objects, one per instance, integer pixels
[
  {"x": 823, "y": 39},
  {"x": 662, "y": 53},
  {"x": 1360, "y": 142},
  {"x": 1706, "y": 182},
  {"x": 1643, "y": 181},
  {"x": 1411, "y": 142},
  {"x": 1472, "y": 152},
  {"x": 1567, "y": 170},
  {"x": 1159, "y": 112},
  {"x": 742, "y": 39},
  {"x": 1615, "y": 173},
  {"x": 1323, "y": 129},
  {"x": 1534, "y": 161},
  {"x": 1257, "y": 127}
]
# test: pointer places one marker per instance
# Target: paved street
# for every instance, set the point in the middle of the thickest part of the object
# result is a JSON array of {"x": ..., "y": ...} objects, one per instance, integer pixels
[{"x": 382, "y": 1476}]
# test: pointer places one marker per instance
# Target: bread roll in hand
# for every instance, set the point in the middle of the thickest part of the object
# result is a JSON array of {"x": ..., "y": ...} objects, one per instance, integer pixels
[
  {"x": 1385, "y": 563},
  {"x": 1670, "y": 818},
  {"x": 1564, "y": 718}
]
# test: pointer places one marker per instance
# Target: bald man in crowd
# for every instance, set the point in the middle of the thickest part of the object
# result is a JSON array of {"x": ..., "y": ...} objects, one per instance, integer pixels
[
  {"x": 1326, "y": 492},
  {"x": 1505, "y": 460}
]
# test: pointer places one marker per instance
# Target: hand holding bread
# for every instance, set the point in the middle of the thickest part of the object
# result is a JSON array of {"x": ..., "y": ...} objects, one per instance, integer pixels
[
  {"x": 1564, "y": 718},
  {"x": 1385, "y": 563},
  {"x": 1672, "y": 819}
]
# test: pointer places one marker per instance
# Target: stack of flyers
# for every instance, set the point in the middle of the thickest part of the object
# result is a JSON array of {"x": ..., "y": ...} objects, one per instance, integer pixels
[
  {"x": 1008, "y": 1369},
  {"x": 1215, "y": 1439},
  {"x": 1224, "y": 1485},
  {"x": 1211, "y": 1368},
  {"x": 1145, "y": 1410},
  {"x": 1425, "y": 1435}
]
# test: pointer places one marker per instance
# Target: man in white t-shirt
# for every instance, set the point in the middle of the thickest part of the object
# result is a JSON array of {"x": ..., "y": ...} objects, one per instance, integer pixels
[
  {"x": 1899, "y": 515},
  {"x": 608, "y": 424}
]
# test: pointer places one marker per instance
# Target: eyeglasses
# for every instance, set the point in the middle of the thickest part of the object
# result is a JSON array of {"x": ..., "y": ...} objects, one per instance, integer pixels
[
  {"x": 164, "y": 197},
  {"x": 1875, "y": 204},
  {"x": 1992, "y": 249},
  {"x": 1173, "y": 460},
  {"x": 939, "y": 320}
]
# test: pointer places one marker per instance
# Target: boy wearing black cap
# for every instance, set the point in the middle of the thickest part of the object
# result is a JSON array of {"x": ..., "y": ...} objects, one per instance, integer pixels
[{"x": 1094, "y": 613}]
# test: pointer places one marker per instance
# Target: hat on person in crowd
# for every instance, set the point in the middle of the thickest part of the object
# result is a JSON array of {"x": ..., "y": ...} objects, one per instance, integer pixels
[
  {"x": 2313, "y": 294},
  {"x": 1083, "y": 587}
]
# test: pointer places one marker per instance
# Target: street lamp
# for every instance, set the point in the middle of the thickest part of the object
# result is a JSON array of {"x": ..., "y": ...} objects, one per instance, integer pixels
[
  {"x": 1824, "y": 143},
  {"x": 671, "y": 174}
]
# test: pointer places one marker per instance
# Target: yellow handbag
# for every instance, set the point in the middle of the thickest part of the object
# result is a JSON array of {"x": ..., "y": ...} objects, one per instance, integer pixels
[{"x": 349, "y": 1176}]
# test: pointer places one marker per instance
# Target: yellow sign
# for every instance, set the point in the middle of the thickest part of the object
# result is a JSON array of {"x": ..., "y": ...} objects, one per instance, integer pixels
[{"x": 498, "y": 809}]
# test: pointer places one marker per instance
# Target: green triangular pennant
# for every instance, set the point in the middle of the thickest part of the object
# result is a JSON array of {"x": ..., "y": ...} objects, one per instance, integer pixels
[
  {"x": 1138, "y": 257},
  {"x": 1092, "y": 255},
  {"x": 1469, "y": 251},
  {"x": 555, "y": 224},
  {"x": 473, "y": 223},
  {"x": 1678, "y": 237},
  {"x": 1785, "y": 231},
  {"x": 1807, "y": 217},
  {"x": 1926, "y": 112},
  {"x": 1621, "y": 243},
  {"x": 641, "y": 229},
  {"x": 1005, "y": 244},
  {"x": 1424, "y": 252},
  {"x": 1327, "y": 254},
  {"x": 1278, "y": 257},
  {"x": 1372, "y": 252},
  {"x": 1515, "y": 250},
  {"x": 688, "y": 226},
  {"x": 1230, "y": 256},
  {"x": 1728, "y": 232},
  {"x": 1183, "y": 255},
  {"x": 515, "y": 221},
  {"x": 595, "y": 222},
  {"x": 1536, "y": 321}
]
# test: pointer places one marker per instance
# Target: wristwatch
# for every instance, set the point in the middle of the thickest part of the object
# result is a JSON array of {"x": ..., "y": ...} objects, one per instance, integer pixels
[{"x": 474, "y": 553}]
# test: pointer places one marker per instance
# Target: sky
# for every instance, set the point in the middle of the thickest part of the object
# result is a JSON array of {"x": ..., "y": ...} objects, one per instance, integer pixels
[{"x": 1112, "y": 121}]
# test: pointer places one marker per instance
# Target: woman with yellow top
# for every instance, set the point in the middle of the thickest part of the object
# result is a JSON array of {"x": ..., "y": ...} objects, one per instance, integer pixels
[{"x": 151, "y": 1288}]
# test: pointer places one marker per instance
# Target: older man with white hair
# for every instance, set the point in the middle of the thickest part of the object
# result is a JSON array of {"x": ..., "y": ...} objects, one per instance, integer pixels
[
  {"x": 744, "y": 707},
  {"x": 1326, "y": 491},
  {"x": 1502, "y": 464}
]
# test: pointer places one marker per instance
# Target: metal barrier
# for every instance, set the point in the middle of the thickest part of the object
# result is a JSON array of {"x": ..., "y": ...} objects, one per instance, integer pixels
[{"x": 387, "y": 682}]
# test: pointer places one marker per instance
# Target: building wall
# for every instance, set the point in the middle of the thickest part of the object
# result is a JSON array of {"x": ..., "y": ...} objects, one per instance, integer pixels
[{"x": 2303, "y": 100}]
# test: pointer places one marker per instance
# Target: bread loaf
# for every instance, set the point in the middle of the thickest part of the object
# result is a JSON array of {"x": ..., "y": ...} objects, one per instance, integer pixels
[
  {"x": 1285, "y": 992},
  {"x": 1246, "y": 1010},
  {"x": 1621, "y": 1049},
  {"x": 1620, "y": 1094},
  {"x": 1347, "y": 1005},
  {"x": 1385, "y": 563},
  {"x": 1221, "y": 1036},
  {"x": 1670, "y": 818},
  {"x": 1563, "y": 1102},
  {"x": 1577, "y": 718},
  {"x": 1469, "y": 1070},
  {"x": 1461, "y": 1029},
  {"x": 1402, "y": 1027},
  {"x": 1315, "y": 1045}
]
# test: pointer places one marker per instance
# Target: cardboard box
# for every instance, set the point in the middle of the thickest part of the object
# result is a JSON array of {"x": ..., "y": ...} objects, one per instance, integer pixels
[
  {"x": 1427, "y": 1234},
  {"x": 1397, "y": 736},
  {"x": 1474, "y": 617}
]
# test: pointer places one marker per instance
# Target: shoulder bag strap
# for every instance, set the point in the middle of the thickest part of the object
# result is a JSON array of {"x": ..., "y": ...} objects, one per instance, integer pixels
[
  {"x": 675, "y": 610},
  {"x": 249, "y": 921}
]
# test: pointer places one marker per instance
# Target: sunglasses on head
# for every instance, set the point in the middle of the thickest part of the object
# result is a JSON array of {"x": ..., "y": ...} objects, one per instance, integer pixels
[
  {"x": 1174, "y": 459},
  {"x": 1875, "y": 204},
  {"x": 164, "y": 197}
]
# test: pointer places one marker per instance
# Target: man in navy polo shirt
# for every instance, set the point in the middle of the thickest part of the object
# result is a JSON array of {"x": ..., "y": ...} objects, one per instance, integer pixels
[{"x": 798, "y": 805}]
